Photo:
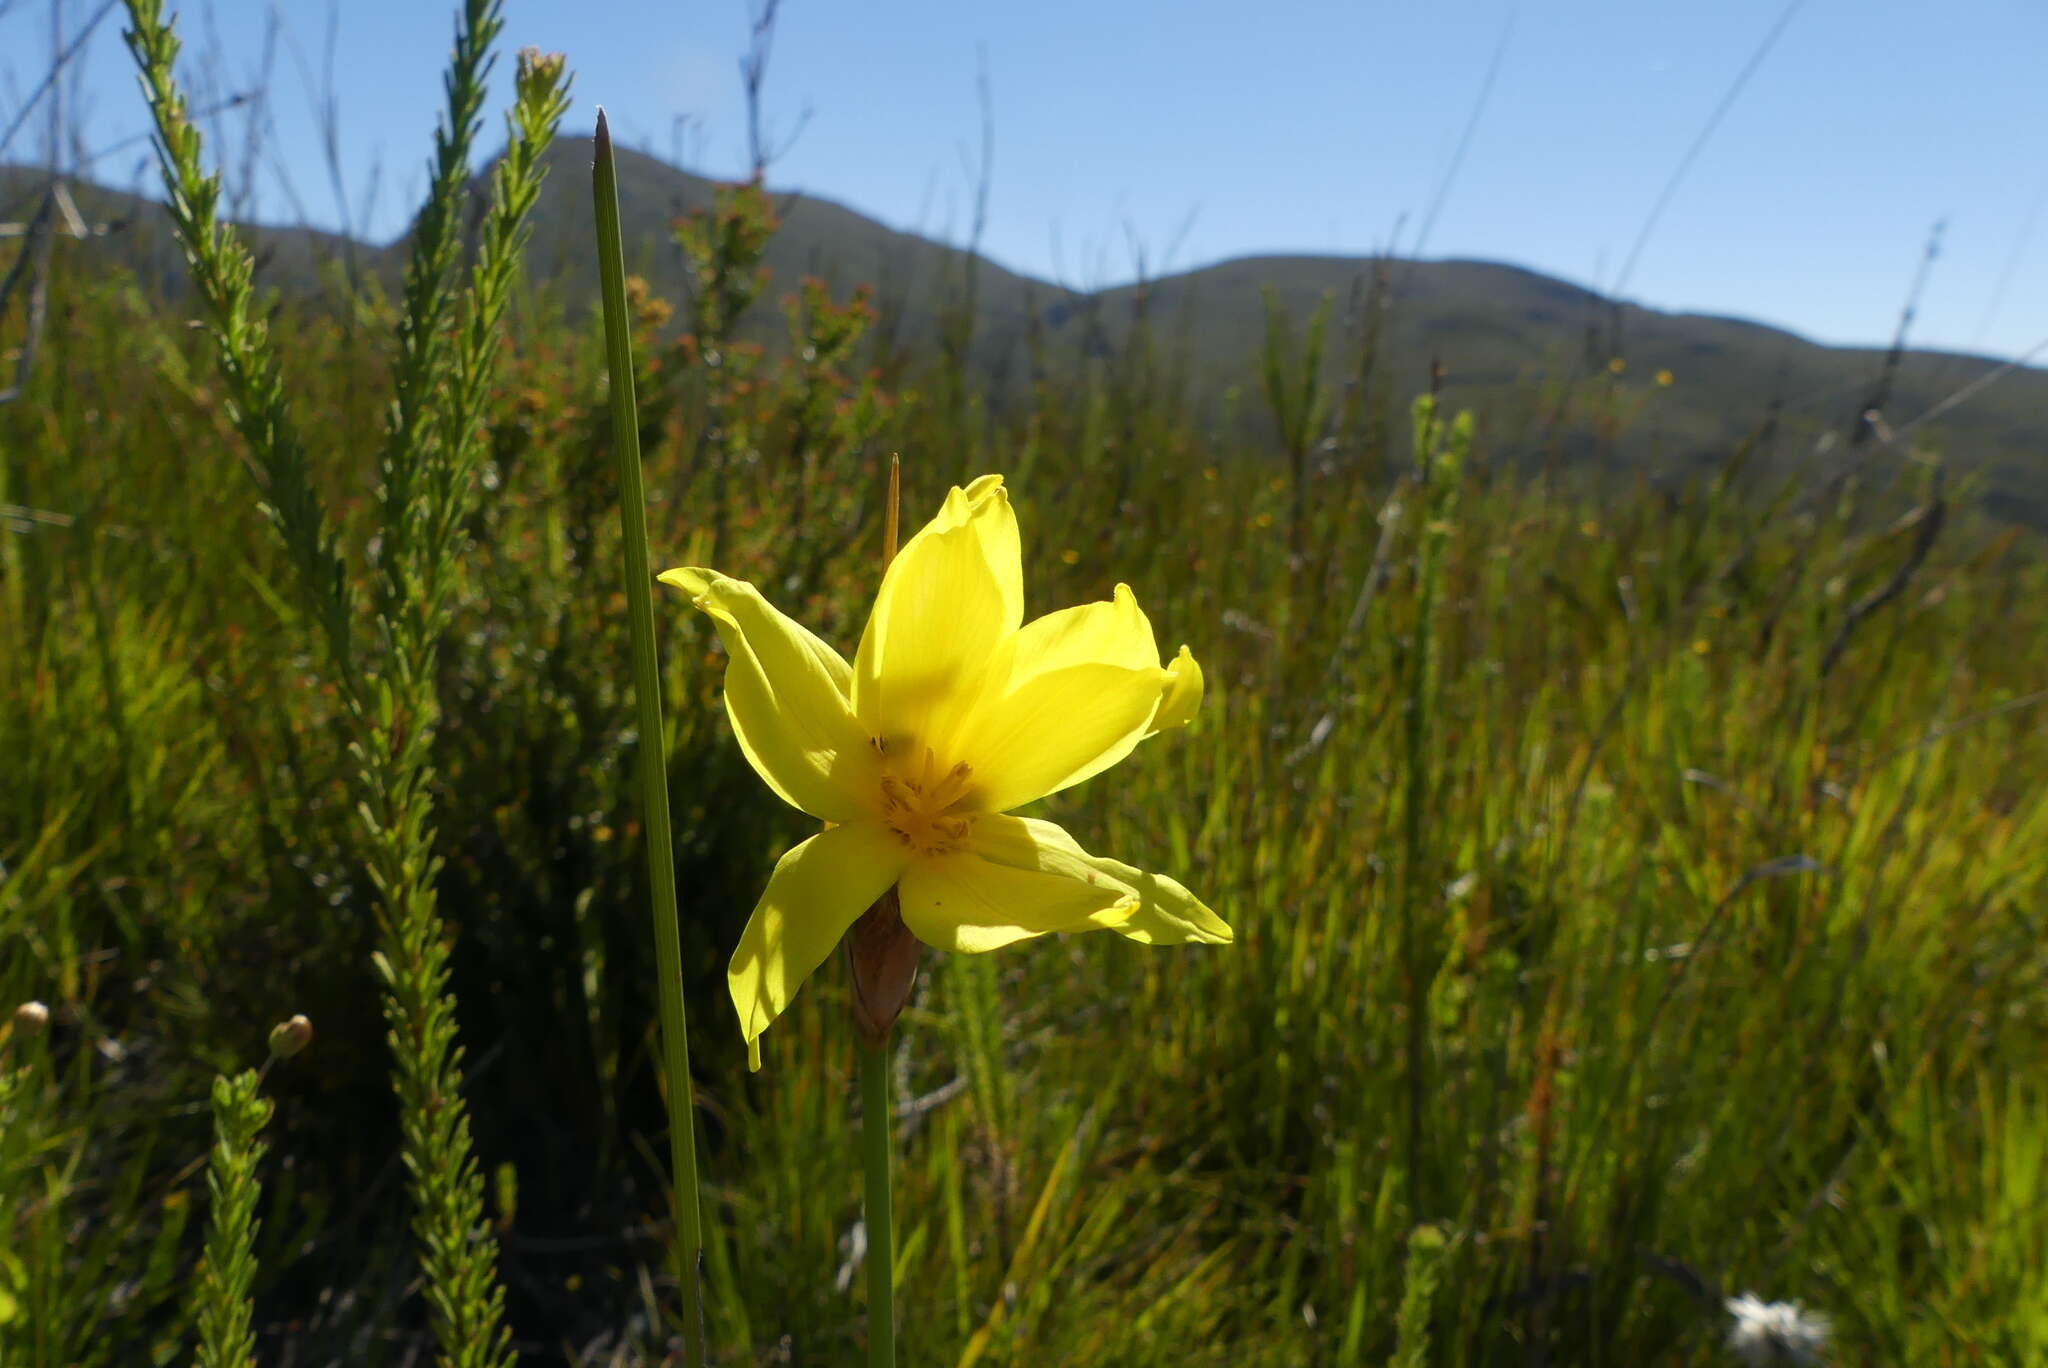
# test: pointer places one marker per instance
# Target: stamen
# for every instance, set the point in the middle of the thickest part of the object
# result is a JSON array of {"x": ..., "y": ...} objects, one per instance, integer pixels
[{"x": 926, "y": 813}]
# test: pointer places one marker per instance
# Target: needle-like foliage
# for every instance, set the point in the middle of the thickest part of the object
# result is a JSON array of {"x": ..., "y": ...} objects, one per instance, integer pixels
[{"x": 447, "y": 349}]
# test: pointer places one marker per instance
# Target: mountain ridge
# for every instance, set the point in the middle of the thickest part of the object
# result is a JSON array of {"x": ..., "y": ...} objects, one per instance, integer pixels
[{"x": 1501, "y": 331}]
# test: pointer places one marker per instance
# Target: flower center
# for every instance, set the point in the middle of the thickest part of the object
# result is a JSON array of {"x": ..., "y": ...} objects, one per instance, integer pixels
[{"x": 930, "y": 810}]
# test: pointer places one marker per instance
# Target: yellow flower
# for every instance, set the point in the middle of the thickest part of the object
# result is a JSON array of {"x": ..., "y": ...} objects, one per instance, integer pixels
[{"x": 953, "y": 711}]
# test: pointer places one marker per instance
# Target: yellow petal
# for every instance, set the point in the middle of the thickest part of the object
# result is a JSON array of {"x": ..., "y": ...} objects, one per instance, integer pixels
[
  {"x": 995, "y": 525},
  {"x": 786, "y": 692},
  {"x": 817, "y": 890},
  {"x": 971, "y": 903},
  {"x": 1025, "y": 877},
  {"x": 1150, "y": 908},
  {"x": 1054, "y": 730},
  {"x": 953, "y": 593},
  {"x": 981, "y": 486},
  {"x": 1115, "y": 632},
  {"x": 1182, "y": 695},
  {"x": 1163, "y": 912}
]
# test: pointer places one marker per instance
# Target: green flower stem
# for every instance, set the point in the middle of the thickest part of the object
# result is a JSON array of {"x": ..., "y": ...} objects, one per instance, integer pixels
[
  {"x": 876, "y": 1136},
  {"x": 661, "y": 869}
]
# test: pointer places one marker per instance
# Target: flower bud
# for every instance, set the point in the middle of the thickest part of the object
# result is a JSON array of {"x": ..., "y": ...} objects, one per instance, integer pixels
[
  {"x": 31, "y": 1019},
  {"x": 287, "y": 1038},
  {"x": 882, "y": 957},
  {"x": 546, "y": 67}
]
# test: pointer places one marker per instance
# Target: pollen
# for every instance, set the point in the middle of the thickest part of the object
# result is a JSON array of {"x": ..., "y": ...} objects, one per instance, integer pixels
[{"x": 930, "y": 810}]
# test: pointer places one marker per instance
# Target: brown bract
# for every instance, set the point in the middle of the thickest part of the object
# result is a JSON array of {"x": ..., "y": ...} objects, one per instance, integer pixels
[{"x": 881, "y": 956}]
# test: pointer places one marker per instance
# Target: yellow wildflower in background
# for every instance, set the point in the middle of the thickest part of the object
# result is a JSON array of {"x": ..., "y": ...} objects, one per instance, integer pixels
[{"x": 953, "y": 712}]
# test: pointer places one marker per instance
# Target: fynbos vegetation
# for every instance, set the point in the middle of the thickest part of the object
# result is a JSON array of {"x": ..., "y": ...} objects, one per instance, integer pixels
[{"x": 1635, "y": 882}]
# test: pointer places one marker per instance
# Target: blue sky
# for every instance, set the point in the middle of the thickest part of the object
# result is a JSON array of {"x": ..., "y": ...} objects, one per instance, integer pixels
[{"x": 1202, "y": 131}]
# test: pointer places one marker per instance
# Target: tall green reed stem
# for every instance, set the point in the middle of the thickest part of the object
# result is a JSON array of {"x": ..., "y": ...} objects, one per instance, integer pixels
[
  {"x": 877, "y": 1128},
  {"x": 446, "y": 364},
  {"x": 661, "y": 869}
]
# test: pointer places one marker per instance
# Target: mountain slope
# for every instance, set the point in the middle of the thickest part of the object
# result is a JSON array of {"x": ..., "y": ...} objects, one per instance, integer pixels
[
  {"x": 912, "y": 275},
  {"x": 1502, "y": 333},
  {"x": 134, "y": 234},
  {"x": 1510, "y": 340}
]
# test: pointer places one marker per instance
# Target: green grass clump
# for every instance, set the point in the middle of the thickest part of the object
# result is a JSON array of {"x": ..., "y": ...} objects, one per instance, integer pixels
[{"x": 1637, "y": 888}]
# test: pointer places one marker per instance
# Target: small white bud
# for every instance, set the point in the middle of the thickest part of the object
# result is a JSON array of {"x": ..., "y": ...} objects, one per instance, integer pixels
[{"x": 287, "y": 1038}]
